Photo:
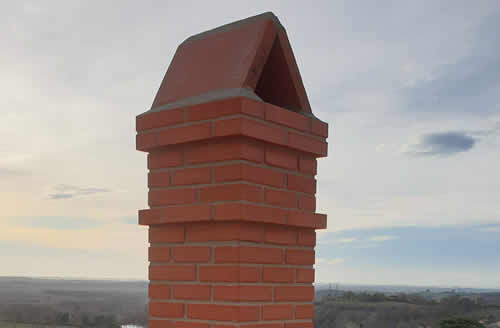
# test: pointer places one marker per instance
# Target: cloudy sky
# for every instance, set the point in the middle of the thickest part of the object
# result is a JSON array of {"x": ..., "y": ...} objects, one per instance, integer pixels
[{"x": 411, "y": 90}]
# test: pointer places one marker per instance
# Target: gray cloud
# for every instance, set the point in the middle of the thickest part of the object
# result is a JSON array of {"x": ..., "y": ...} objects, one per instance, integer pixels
[
  {"x": 441, "y": 144},
  {"x": 60, "y": 196},
  {"x": 68, "y": 191}
]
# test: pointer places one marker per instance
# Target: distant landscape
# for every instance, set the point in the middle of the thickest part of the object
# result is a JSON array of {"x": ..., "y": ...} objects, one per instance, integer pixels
[
  {"x": 403, "y": 306},
  {"x": 65, "y": 303}
]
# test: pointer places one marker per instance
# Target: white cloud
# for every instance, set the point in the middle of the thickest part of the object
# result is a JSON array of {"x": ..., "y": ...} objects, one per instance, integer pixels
[
  {"x": 339, "y": 241},
  {"x": 355, "y": 242},
  {"x": 63, "y": 191},
  {"x": 325, "y": 261},
  {"x": 382, "y": 238}
]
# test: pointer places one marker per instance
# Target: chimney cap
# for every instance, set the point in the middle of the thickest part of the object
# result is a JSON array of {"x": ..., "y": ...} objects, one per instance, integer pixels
[{"x": 249, "y": 58}]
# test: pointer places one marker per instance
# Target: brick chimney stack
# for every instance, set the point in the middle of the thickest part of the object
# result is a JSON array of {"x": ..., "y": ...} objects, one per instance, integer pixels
[{"x": 232, "y": 147}]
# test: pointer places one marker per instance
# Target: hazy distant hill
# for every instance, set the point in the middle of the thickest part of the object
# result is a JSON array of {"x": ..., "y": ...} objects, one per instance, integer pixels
[
  {"x": 38, "y": 300},
  {"x": 404, "y": 289},
  {"x": 35, "y": 299}
]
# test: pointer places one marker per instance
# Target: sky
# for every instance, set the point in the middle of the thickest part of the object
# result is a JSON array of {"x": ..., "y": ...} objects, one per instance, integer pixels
[{"x": 410, "y": 89}]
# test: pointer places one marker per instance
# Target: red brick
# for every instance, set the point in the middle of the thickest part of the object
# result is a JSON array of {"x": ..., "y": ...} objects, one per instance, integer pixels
[
  {"x": 246, "y": 254},
  {"x": 191, "y": 176},
  {"x": 308, "y": 144},
  {"x": 280, "y": 198},
  {"x": 277, "y": 274},
  {"x": 160, "y": 159},
  {"x": 302, "y": 184},
  {"x": 233, "y": 149},
  {"x": 190, "y": 213},
  {"x": 277, "y": 312},
  {"x": 171, "y": 233},
  {"x": 224, "y": 108},
  {"x": 264, "y": 176},
  {"x": 228, "y": 127},
  {"x": 293, "y": 293},
  {"x": 280, "y": 235},
  {"x": 286, "y": 117},
  {"x": 232, "y": 172},
  {"x": 191, "y": 254},
  {"x": 218, "y": 273},
  {"x": 218, "y": 312},
  {"x": 159, "y": 254},
  {"x": 300, "y": 324},
  {"x": 189, "y": 324},
  {"x": 159, "y": 119},
  {"x": 308, "y": 165},
  {"x": 229, "y": 212},
  {"x": 184, "y": 134},
  {"x": 191, "y": 292},
  {"x": 283, "y": 158},
  {"x": 173, "y": 273},
  {"x": 243, "y": 293},
  {"x": 262, "y": 325},
  {"x": 159, "y": 323},
  {"x": 250, "y": 128},
  {"x": 146, "y": 141},
  {"x": 307, "y": 203},
  {"x": 224, "y": 231},
  {"x": 249, "y": 212},
  {"x": 166, "y": 310},
  {"x": 307, "y": 238},
  {"x": 252, "y": 107},
  {"x": 305, "y": 311},
  {"x": 304, "y": 275},
  {"x": 307, "y": 219},
  {"x": 214, "y": 109},
  {"x": 250, "y": 173},
  {"x": 149, "y": 216},
  {"x": 231, "y": 192},
  {"x": 299, "y": 257},
  {"x": 319, "y": 128},
  {"x": 159, "y": 291},
  {"x": 218, "y": 325},
  {"x": 252, "y": 151},
  {"x": 158, "y": 179},
  {"x": 171, "y": 196}
]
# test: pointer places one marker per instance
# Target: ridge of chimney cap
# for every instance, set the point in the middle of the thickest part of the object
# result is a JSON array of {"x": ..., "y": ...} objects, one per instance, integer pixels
[{"x": 269, "y": 15}]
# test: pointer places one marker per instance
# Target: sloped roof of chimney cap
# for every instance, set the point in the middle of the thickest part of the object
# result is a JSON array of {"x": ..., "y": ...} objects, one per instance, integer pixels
[
  {"x": 264, "y": 16},
  {"x": 168, "y": 100}
]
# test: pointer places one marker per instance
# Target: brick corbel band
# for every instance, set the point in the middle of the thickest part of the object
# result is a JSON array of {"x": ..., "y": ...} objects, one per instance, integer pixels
[{"x": 232, "y": 213}]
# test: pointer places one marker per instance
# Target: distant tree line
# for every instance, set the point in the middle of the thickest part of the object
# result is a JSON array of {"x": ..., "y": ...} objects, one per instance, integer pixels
[
  {"x": 377, "y": 310},
  {"x": 99, "y": 321},
  {"x": 45, "y": 315},
  {"x": 350, "y": 296},
  {"x": 460, "y": 323}
]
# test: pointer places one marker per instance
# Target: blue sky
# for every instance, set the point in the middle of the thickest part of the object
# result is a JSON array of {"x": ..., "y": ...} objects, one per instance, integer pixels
[
  {"x": 425, "y": 255},
  {"x": 411, "y": 91}
]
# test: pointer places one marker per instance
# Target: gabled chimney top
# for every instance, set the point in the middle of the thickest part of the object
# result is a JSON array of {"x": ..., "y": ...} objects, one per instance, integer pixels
[{"x": 250, "y": 58}]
